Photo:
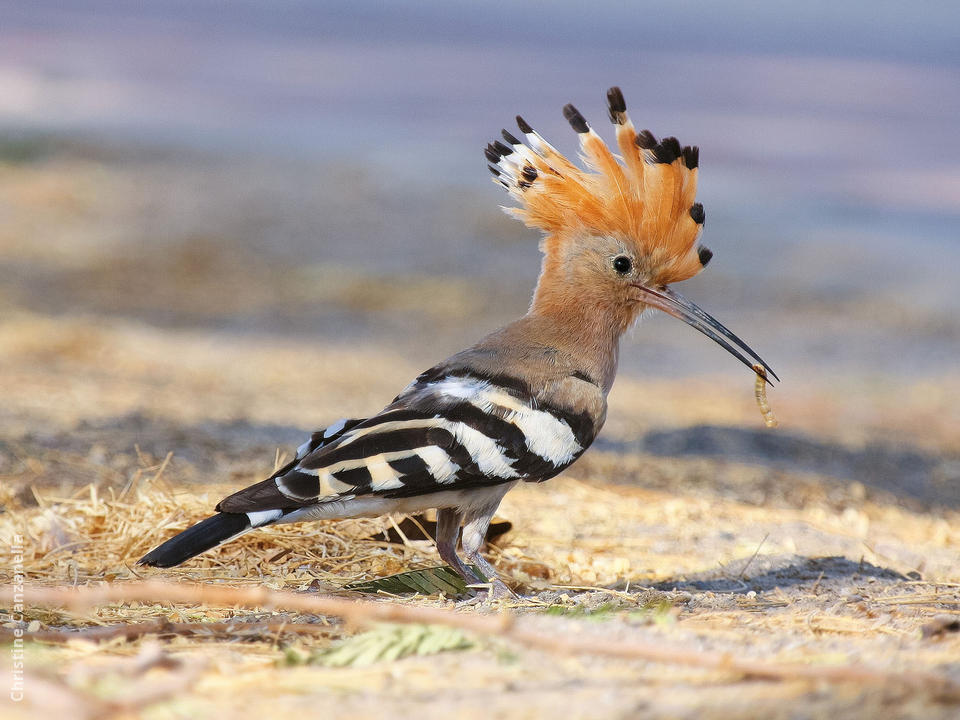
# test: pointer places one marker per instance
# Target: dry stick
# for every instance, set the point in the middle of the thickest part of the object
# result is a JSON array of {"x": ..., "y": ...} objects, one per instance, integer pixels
[
  {"x": 132, "y": 631},
  {"x": 503, "y": 625},
  {"x": 752, "y": 557}
]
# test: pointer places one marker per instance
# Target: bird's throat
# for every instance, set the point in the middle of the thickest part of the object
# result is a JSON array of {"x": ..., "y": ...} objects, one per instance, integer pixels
[{"x": 585, "y": 330}]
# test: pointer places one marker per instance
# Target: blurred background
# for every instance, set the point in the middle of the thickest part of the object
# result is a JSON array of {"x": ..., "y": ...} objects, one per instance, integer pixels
[{"x": 276, "y": 213}]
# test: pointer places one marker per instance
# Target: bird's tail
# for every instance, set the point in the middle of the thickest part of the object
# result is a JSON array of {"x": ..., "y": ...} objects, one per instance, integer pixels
[{"x": 199, "y": 538}]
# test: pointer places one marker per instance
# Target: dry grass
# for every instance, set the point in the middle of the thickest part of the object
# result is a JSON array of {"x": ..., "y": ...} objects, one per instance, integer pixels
[{"x": 828, "y": 614}]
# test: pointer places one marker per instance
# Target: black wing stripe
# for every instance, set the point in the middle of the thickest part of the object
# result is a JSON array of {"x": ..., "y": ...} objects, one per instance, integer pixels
[
  {"x": 326, "y": 436},
  {"x": 264, "y": 495},
  {"x": 391, "y": 415},
  {"x": 510, "y": 383},
  {"x": 359, "y": 477},
  {"x": 409, "y": 466},
  {"x": 299, "y": 485},
  {"x": 394, "y": 440},
  {"x": 505, "y": 433}
]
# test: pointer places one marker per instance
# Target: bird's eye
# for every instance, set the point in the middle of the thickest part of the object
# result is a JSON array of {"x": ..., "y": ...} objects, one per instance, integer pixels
[{"x": 622, "y": 264}]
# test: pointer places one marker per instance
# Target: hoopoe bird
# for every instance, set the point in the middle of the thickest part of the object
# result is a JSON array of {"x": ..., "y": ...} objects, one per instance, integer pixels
[{"x": 527, "y": 400}]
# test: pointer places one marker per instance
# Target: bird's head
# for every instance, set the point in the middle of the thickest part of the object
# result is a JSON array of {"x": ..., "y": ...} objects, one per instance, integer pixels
[{"x": 618, "y": 233}]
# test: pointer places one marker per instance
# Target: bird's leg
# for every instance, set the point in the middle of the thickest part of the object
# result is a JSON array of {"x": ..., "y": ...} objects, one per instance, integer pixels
[
  {"x": 474, "y": 534},
  {"x": 448, "y": 533}
]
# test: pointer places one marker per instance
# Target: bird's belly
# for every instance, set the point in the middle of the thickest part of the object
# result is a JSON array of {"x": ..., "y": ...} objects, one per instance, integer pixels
[{"x": 373, "y": 506}]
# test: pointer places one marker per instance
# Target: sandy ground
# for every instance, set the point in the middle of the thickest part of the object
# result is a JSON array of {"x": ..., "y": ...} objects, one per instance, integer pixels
[{"x": 832, "y": 540}]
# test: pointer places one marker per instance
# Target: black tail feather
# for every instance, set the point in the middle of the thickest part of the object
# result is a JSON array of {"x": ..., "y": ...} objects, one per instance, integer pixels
[{"x": 197, "y": 539}]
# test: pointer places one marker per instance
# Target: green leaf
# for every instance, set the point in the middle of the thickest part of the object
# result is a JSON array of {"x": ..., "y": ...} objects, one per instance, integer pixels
[
  {"x": 391, "y": 642},
  {"x": 429, "y": 581}
]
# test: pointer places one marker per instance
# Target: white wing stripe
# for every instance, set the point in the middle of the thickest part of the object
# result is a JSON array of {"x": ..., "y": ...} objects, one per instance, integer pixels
[
  {"x": 262, "y": 517},
  {"x": 484, "y": 451},
  {"x": 382, "y": 476},
  {"x": 546, "y": 435},
  {"x": 441, "y": 468},
  {"x": 332, "y": 430}
]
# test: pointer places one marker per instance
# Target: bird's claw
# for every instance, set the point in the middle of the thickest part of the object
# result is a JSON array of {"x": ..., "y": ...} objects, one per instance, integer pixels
[{"x": 496, "y": 589}]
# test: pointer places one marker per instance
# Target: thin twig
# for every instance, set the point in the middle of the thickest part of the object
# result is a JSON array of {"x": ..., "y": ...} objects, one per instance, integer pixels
[
  {"x": 753, "y": 557},
  {"x": 503, "y": 624},
  {"x": 132, "y": 631}
]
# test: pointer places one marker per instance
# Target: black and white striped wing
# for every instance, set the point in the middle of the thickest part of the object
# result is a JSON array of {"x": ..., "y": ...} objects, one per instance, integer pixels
[
  {"x": 260, "y": 496},
  {"x": 451, "y": 432},
  {"x": 321, "y": 438}
]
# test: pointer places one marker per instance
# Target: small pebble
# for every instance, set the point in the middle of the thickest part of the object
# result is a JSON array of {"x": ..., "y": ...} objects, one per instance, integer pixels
[{"x": 940, "y": 625}]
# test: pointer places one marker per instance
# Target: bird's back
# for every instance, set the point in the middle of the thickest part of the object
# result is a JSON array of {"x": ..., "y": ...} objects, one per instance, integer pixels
[{"x": 502, "y": 411}]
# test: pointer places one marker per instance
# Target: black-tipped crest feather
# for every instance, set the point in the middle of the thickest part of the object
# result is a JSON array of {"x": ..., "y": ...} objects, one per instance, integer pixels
[
  {"x": 691, "y": 156},
  {"x": 705, "y": 254},
  {"x": 646, "y": 140},
  {"x": 509, "y": 137},
  {"x": 667, "y": 150},
  {"x": 616, "y": 106},
  {"x": 697, "y": 213},
  {"x": 575, "y": 119}
]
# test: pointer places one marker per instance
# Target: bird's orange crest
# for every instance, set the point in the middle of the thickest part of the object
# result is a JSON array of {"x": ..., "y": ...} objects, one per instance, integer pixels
[{"x": 644, "y": 196}]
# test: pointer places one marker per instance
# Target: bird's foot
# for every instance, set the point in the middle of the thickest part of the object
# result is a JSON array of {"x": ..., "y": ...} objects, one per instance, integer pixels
[{"x": 496, "y": 589}]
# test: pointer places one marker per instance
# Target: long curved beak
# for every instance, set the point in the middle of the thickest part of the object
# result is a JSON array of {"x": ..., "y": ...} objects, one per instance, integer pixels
[{"x": 672, "y": 303}]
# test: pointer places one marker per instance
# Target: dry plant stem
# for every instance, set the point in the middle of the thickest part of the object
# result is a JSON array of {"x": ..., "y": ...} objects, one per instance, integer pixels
[
  {"x": 504, "y": 624},
  {"x": 133, "y": 631}
]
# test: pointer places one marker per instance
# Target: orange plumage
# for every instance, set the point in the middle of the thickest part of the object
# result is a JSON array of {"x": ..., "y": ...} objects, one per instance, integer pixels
[{"x": 644, "y": 197}]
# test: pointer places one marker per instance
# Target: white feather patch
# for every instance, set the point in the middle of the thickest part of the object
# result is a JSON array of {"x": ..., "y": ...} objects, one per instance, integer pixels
[
  {"x": 441, "y": 468},
  {"x": 546, "y": 435},
  {"x": 484, "y": 451},
  {"x": 461, "y": 388},
  {"x": 304, "y": 449},
  {"x": 328, "y": 485},
  {"x": 332, "y": 430},
  {"x": 262, "y": 517},
  {"x": 328, "y": 432},
  {"x": 382, "y": 476}
]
